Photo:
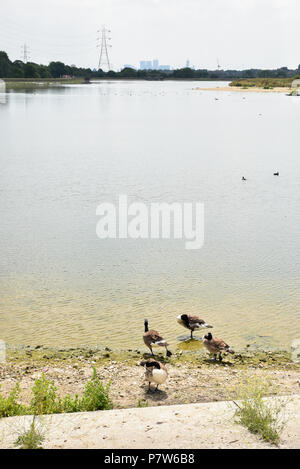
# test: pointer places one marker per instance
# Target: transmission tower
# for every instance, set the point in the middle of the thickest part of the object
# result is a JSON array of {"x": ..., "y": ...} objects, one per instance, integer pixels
[
  {"x": 104, "y": 46},
  {"x": 25, "y": 53}
]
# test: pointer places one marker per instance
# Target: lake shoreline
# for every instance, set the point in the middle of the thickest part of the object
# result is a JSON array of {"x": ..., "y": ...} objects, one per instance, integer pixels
[
  {"x": 252, "y": 89},
  {"x": 193, "y": 376}
]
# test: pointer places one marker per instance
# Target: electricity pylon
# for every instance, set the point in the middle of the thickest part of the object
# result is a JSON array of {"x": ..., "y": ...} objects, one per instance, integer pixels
[
  {"x": 25, "y": 53},
  {"x": 104, "y": 46}
]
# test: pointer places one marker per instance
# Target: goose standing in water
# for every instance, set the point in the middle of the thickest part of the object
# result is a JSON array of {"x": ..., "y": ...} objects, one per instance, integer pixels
[
  {"x": 216, "y": 346},
  {"x": 155, "y": 372},
  {"x": 152, "y": 338},
  {"x": 191, "y": 322}
]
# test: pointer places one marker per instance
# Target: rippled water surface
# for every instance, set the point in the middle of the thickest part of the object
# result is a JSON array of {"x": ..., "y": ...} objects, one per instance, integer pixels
[{"x": 65, "y": 150}]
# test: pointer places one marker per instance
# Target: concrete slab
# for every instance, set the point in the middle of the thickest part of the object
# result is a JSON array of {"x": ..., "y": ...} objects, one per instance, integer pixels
[{"x": 190, "y": 426}]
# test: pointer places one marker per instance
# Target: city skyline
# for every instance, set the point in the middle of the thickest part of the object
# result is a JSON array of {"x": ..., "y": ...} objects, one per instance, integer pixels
[
  {"x": 205, "y": 31},
  {"x": 153, "y": 65}
]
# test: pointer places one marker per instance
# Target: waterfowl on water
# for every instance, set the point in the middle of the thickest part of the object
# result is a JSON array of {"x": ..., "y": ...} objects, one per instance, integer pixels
[
  {"x": 152, "y": 338},
  {"x": 216, "y": 346},
  {"x": 155, "y": 372},
  {"x": 191, "y": 322},
  {"x": 276, "y": 174},
  {"x": 244, "y": 179}
]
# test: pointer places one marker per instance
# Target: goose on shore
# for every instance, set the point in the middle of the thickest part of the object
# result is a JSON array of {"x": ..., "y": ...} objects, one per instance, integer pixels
[
  {"x": 152, "y": 338},
  {"x": 155, "y": 372},
  {"x": 191, "y": 322},
  {"x": 216, "y": 346}
]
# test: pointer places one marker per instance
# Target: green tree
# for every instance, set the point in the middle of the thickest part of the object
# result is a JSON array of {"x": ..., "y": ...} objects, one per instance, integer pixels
[
  {"x": 57, "y": 69},
  {"x": 111, "y": 74},
  {"x": 17, "y": 69},
  {"x": 128, "y": 72},
  {"x": 5, "y": 65},
  {"x": 31, "y": 70},
  {"x": 184, "y": 73}
]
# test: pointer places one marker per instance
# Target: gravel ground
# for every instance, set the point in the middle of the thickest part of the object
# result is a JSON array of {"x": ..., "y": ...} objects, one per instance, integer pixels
[{"x": 187, "y": 382}]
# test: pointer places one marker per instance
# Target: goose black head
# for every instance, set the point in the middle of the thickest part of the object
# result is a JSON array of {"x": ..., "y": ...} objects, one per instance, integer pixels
[
  {"x": 146, "y": 325},
  {"x": 150, "y": 364},
  {"x": 185, "y": 319},
  {"x": 208, "y": 336}
]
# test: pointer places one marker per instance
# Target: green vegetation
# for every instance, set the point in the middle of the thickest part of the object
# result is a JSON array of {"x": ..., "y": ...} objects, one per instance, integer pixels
[
  {"x": 46, "y": 401},
  {"x": 31, "y": 439},
  {"x": 33, "y": 83},
  {"x": 261, "y": 417},
  {"x": 59, "y": 70},
  {"x": 265, "y": 83},
  {"x": 10, "y": 405},
  {"x": 142, "y": 403},
  {"x": 190, "y": 352}
]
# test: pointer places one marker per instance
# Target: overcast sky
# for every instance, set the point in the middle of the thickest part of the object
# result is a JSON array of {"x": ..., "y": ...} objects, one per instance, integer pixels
[{"x": 240, "y": 33}]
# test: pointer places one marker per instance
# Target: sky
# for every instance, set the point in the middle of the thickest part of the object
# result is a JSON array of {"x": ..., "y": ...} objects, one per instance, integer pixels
[{"x": 240, "y": 34}]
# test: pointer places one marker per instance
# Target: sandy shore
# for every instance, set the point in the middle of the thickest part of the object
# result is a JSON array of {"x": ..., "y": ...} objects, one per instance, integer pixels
[
  {"x": 193, "y": 376},
  {"x": 252, "y": 89}
]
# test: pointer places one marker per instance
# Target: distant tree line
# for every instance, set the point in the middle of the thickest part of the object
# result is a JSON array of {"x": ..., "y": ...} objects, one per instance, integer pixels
[{"x": 19, "y": 69}]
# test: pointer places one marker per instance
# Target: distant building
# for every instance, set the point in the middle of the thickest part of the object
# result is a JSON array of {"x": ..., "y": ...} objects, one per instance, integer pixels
[
  {"x": 145, "y": 65},
  {"x": 296, "y": 83},
  {"x": 149, "y": 65},
  {"x": 188, "y": 63}
]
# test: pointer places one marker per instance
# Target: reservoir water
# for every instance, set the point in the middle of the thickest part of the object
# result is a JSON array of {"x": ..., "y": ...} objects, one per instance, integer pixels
[{"x": 66, "y": 149}]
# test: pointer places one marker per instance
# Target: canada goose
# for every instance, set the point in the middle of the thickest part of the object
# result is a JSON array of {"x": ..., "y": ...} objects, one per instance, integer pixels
[
  {"x": 155, "y": 372},
  {"x": 216, "y": 346},
  {"x": 276, "y": 174},
  {"x": 191, "y": 322},
  {"x": 244, "y": 179},
  {"x": 153, "y": 339}
]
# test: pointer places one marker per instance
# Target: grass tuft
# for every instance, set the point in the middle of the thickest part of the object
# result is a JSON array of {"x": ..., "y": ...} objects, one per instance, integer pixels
[
  {"x": 142, "y": 403},
  {"x": 31, "y": 439},
  {"x": 261, "y": 417}
]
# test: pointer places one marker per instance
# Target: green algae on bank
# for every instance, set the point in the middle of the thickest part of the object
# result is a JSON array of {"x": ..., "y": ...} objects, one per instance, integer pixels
[
  {"x": 41, "y": 84},
  {"x": 194, "y": 355}
]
